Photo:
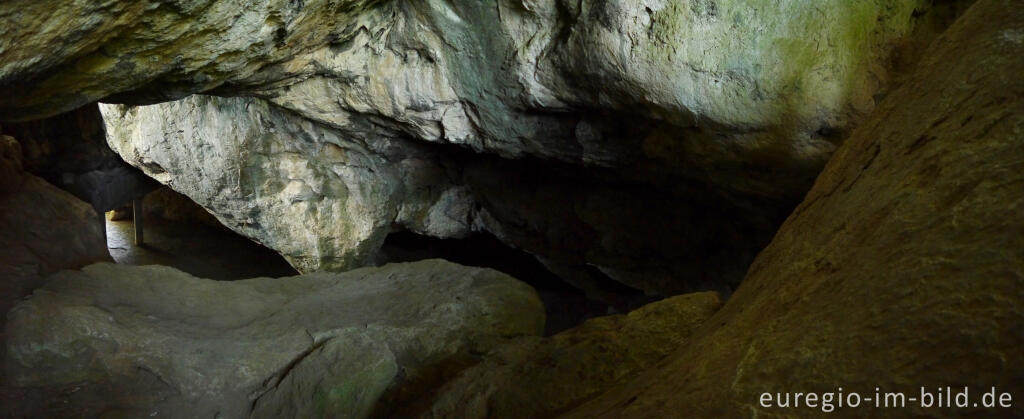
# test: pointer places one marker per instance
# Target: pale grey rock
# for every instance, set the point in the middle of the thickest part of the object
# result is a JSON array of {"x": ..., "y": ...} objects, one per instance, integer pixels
[
  {"x": 655, "y": 143},
  {"x": 57, "y": 57},
  {"x": 699, "y": 88},
  {"x": 322, "y": 200},
  {"x": 326, "y": 199},
  {"x": 647, "y": 117},
  {"x": 710, "y": 85},
  {"x": 152, "y": 340}
]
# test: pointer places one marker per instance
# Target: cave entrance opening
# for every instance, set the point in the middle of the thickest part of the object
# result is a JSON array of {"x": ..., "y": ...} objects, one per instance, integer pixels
[{"x": 181, "y": 234}]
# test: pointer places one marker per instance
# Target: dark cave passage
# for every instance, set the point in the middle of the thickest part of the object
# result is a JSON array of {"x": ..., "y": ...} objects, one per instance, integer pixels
[
  {"x": 565, "y": 305},
  {"x": 178, "y": 234}
]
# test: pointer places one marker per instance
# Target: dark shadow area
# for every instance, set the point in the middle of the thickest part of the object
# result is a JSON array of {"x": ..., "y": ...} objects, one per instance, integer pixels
[
  {"x": 566, "y": 306},
  {"x": 195, "y": 246}
]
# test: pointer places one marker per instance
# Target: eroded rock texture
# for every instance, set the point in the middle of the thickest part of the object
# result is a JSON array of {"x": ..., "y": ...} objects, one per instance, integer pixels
[
  {"x": 540, "y": 377},
  {"x": 903, "y": 267},
  {"x": 42, "y": 229},
  {"x": 656, "y": 143},
  {"x": 70, "y": 151},
  {"x": 327, "y": 201},
  {"x": 143, "y": 341}
]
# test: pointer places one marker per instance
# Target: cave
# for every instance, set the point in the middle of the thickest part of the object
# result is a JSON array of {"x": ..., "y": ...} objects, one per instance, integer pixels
[
  {"x": 565, "y": 305},
  {"x": 174, "y": 231},
  {"x": 511, "y": 209}
]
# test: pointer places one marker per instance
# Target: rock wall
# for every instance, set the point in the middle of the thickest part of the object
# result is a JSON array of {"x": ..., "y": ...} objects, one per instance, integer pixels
[
  {"x": 902, "y": 268},
  {"x": 70, "y": 151},
  {"x": 656, "y": 143},
  {"x": 42, "y": 230},
  {"x": 536, "y": 378},
  {"x": 327, "y": 201}
]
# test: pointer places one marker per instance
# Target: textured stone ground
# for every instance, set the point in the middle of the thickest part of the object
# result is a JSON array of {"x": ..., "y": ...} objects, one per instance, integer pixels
[{"x": 152, "y": 340}]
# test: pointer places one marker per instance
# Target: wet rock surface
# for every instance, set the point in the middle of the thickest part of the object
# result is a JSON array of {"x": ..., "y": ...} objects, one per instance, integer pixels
[
  {"x": 140, "y": 341},
  {"x": 902, "y": 268}
]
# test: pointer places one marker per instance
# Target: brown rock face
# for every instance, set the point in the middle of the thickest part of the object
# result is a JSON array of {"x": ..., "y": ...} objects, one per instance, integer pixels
[
  {"x": 903, "y": 267},
  {"x": 535, "y": 377}
]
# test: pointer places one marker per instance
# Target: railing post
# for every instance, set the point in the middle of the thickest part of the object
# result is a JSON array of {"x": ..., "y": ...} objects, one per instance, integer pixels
[{"x": 138, "y": 220}]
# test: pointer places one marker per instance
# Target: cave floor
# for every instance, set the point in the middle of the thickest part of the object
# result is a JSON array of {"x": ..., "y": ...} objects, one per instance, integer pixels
[{"x": 201, "y": 250}]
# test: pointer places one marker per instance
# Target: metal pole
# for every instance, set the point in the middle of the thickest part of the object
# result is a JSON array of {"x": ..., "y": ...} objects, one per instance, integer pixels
[{"x": 137, "y": 220}]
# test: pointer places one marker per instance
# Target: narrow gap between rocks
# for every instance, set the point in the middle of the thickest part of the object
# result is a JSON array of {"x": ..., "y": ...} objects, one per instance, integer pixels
[
  {"x": 180, "y": 234},
  {"x": 565, "y": 305}
]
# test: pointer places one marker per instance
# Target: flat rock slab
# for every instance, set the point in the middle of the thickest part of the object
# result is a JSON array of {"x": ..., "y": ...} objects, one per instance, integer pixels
[{"x": 152, "y": 340}]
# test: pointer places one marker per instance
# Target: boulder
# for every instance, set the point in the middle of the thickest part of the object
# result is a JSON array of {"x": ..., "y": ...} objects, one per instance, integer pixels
[
  {"x": 166, "y": 204},
  {"x": 655, "y": 143},
  {"x": 540, "y": 377},
  {"x": 326, "y": 200},
  {"x": 144, "y": 341},
  {"x": 42, "y": 229},
  {"x": 902, "y": 269}
]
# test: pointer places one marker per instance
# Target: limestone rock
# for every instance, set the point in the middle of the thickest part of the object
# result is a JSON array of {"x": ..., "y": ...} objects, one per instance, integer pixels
[
  {"x": 903, "y": 267},
  {"x": 70, "y": 151},
  {"x": 167, "y": 204},
  {"x": 57, "y": 57},
  {"x": 656, "y": 143},
  {"x": 42, "y": 229},
  {"x": 721, "y": 83},
  {"x": 539, "y": 377},
  {"x": 141, "y": 341},
  {"x": 320, "y": 199},
  {"x": 326, "y": 198}
]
